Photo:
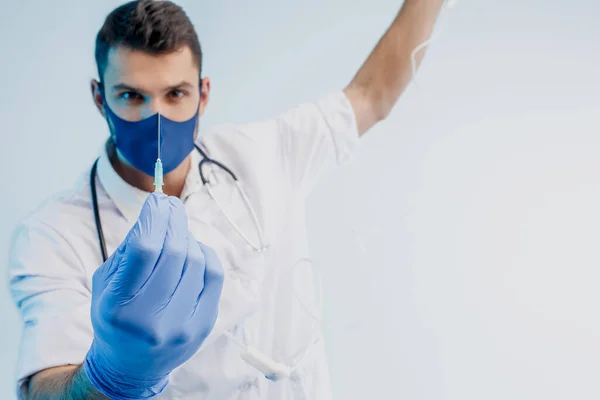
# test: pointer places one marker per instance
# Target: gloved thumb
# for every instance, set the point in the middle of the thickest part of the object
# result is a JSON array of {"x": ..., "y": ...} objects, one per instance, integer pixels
[
  {"x": 143, "y": 246},
  {"x": 155, "y": 209},
  {"x": 151, "y": 226}
]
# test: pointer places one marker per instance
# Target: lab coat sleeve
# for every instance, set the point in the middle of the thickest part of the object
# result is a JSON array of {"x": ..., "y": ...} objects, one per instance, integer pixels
[
  {"x": 47, "y": 284},
  {"x": 316, "y": 137}
]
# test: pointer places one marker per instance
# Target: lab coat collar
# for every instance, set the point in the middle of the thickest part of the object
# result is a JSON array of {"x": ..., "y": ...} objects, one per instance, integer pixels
[{"x": 129, "y": 199}]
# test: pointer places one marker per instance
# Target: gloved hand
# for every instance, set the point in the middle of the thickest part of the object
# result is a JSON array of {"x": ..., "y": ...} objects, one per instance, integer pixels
[{"x": 154, "y": 301}]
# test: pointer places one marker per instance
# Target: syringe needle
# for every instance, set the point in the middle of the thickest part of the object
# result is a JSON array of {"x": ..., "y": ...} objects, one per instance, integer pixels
[
  {"x": 158, "y": 169},
  {"x": 159, "y": 146}
]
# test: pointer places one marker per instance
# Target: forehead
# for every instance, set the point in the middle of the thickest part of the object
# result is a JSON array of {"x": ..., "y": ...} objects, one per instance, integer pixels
[{"x": 141, "y": 69}]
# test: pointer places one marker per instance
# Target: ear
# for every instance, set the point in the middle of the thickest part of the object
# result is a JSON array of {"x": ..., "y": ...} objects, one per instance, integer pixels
[
  {"x": 97, "y": 96},
  {"x": 204, "y": 95}
]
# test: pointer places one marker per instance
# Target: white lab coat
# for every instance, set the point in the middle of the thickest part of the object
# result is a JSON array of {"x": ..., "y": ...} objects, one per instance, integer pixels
[{"x": 55, "y": 252}]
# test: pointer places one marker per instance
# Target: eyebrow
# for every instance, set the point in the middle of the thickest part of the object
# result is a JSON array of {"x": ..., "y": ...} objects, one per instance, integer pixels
[{"x": 123, "y": 86}]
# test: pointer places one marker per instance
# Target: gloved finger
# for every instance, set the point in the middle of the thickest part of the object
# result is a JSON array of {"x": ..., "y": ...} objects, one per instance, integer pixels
[
  {"x": 168, "y": 271},
  {"x": 206, "y": 310},
  {"x": 143, "y": 246},
  {"x": 192, "y": 280},
  {"x": 105, "y": 272}
]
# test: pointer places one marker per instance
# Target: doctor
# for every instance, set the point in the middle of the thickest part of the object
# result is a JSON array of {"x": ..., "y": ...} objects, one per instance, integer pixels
[{"x": 194, "y": 293}]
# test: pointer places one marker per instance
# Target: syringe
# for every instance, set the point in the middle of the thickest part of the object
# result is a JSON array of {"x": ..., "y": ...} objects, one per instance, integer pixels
[{"x": 158, "y": 169}]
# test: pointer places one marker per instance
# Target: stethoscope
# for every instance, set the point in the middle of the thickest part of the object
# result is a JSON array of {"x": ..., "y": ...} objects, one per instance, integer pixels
[
  {"x": 271, "y": 369},
  {"x": 260, "y": 247}
]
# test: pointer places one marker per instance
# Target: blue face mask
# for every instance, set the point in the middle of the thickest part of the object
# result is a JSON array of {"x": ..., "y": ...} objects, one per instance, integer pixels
[{"x": 138, "y": 141}]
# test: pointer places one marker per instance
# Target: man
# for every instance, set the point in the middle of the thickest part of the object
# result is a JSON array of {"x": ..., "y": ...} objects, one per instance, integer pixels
[{"x": 210, "y": 314}]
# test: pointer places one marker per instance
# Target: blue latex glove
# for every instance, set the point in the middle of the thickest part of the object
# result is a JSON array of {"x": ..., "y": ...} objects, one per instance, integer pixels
[{"x": 154, "y": 302}]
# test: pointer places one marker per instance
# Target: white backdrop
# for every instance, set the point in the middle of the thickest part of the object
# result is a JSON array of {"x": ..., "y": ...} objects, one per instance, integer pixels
[{"x": 476, "y": 200}]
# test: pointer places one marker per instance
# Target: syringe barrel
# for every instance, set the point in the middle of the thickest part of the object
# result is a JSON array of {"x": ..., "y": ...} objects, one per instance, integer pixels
[{"x": 158, "y": 176}]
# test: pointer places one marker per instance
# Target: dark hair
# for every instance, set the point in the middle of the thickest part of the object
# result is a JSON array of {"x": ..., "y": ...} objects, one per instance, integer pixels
[{"x": 154, "y": 27}]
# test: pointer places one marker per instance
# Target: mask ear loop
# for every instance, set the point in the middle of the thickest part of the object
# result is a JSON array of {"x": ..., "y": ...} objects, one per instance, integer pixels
[
  {"x": 111, "y": 138},
  {"x": 449, "y": 5},
  {"x": 413, "y": 56},
  {"x": 275, "y": 370}
]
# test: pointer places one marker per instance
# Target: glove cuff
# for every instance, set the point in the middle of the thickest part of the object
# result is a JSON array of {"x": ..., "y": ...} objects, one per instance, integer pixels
[{"x": 117, "y": 386}]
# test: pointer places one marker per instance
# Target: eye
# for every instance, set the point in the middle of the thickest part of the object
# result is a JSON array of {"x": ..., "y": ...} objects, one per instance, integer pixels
[
  {"x": 131, "y": 96},
  {"x": 177, "y": 94}
]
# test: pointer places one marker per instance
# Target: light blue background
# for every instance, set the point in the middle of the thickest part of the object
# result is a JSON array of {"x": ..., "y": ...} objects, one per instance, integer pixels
[{"x": 476, "y": 200}]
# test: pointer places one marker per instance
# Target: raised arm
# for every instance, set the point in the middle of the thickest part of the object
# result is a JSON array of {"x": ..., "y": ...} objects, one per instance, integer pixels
[{"x": 387, "y": 71}]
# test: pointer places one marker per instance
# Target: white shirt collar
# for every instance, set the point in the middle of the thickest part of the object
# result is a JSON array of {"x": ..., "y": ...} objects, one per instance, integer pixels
[{"x": 129, "y": 199}]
